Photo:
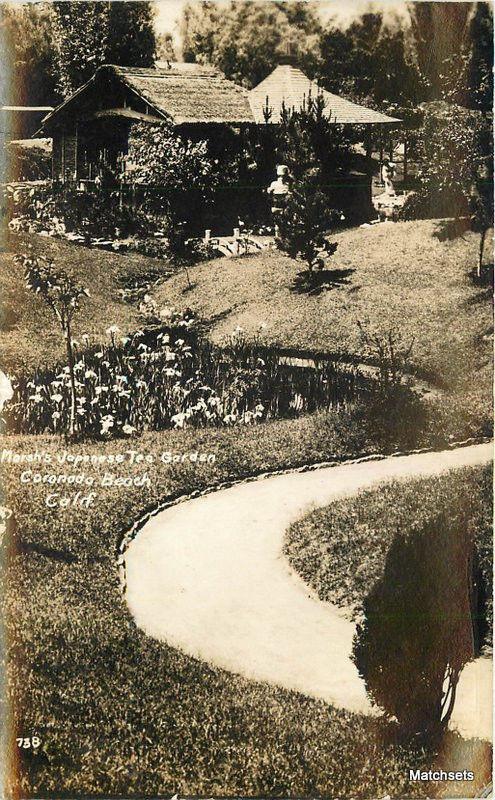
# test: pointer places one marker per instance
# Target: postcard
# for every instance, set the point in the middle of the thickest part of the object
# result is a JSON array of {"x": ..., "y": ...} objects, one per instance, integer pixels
[{"x": 246, "y": 405}]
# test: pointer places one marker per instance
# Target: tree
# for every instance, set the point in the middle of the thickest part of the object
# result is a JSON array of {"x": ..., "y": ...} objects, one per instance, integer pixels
[
  {"x": 62, "y": 294},
  {"x": 303, "y": 223},
  {"x": 445, "y": 24},
  {"x": 165, "y": 50},
  {"x": 169, "y": 165},
  {"x": 313, "y": 149},
  {"x": 26, "y": 32},
  {"x": 89, "y": 34},
  {"x": 418, "y": 631},
  {"x": 480, "y": 66},
  {"x": 347, "y": 59},
  {"x": 452, "y": 144},
  {"x": 246, "y": 39},
  {"x": 131, "y": 37},
  {"x": 482, "y": 206}
]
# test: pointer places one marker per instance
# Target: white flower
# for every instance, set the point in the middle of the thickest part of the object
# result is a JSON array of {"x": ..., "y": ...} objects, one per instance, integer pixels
[
  {"x": 112, "y": 330},
  {"x": 90, "y": 373},
  {"x": 57, "y": 398},
  {"x": 179, "y": 419},
  {"x": 128, "y": 429},
  {"x": 106, "y": 423}
]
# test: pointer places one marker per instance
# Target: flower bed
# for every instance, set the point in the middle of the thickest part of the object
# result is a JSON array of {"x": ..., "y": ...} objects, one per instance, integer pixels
[{"x": 155, "y": 379}]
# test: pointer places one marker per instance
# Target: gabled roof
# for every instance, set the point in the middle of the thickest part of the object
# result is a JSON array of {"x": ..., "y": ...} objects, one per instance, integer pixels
[
  {"x": 190, "y": 93},
  {"x": 288, "y": 85},
  {"x": 184, "y": 93}
]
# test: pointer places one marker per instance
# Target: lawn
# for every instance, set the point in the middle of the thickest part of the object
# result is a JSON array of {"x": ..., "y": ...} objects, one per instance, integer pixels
[
  {"x": 121, "y": 714},
  {"x": 341, "y": 550},
  {"x": 393, "y": 276},
  {"x": 29, "y": 335}
]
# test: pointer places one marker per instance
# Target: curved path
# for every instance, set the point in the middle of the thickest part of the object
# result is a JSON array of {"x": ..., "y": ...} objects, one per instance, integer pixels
[{"x": 208, "y": 577}]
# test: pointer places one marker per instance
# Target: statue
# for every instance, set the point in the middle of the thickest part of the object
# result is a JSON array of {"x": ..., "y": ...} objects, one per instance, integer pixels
[
  {"x": 278, "y": 190},
  {"x": 388, "y": 177}
]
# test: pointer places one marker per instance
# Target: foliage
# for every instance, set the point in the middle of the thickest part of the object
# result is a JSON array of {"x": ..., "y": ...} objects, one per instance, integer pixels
[
  {"x": 481, "y": 206},
  {"x": 80, "y": 33},
  {"x": 370, "y": 61},
  {"x": 388, "y": 351},
  {"x": 26, "y": 32},
  {"x": 63, "y": 210},
  {"x": 303, "y": 223},
  {"x": 157, "y": 380},
  {"x": 246, "y": 40},
  {"x": 131, "y": 37},
  {"x": 453, "y": 144},
  {"x": 89, "y": 34},
  {"x": 100, "y": 219},
  {"x": 176, "y": 175},
  {"x": 313, "y": 149},
  {"x": 62, "y": 294},
  {"x": 417, "y": 631},
  {"x": 28, "y": 162},
  {"x": 459, "y": 68},
  {"x": 311, "y": 144}
]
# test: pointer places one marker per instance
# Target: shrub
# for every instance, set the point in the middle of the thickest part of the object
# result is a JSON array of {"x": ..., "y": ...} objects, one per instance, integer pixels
[
  {"x": 302, "y": 224},
  {"x": 62, "y": 294},
  {"x": 29, "y": 161},
  {"x": 175, "y": 176},
  {"x": 417, "y": 631}
]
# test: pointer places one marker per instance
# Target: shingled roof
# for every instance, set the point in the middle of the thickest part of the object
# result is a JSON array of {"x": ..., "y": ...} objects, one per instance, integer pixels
[
  {"x": 185, "y": 93},
  {"x": 190, "y": 93},
  {"x": 288, "y": 85}
]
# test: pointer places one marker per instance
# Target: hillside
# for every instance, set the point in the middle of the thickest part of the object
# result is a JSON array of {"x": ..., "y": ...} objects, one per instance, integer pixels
[{"x": 396, "y": 276}]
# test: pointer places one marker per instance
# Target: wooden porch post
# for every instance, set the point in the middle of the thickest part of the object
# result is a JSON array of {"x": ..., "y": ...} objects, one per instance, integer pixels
[{"x": 406, "y": 144}]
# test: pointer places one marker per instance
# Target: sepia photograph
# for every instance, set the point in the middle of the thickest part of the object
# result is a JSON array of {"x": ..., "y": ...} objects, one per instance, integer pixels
[{"x": 246, "y": 399}]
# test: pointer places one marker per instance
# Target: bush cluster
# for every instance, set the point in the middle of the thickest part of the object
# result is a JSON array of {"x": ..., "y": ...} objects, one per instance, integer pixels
[{"x": 99, "y": 218}]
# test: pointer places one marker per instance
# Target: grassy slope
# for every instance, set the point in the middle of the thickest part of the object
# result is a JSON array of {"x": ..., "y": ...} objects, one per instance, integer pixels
[
  {"x": 120, "y": 713},
  {"x": 402, "y": 277},
  {"x": 28, "y": 331},
  {"x": 341, "y": 550}
]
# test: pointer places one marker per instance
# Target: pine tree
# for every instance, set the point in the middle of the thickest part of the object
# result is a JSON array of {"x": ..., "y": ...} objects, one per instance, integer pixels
[{"x": 312, "y": 149}]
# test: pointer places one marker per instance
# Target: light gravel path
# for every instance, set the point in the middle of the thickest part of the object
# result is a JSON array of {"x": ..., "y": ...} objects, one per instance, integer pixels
[{"x": 208, "y": 577}]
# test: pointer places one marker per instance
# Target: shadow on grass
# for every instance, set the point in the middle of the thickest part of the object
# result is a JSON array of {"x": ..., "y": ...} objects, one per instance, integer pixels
[
  {"x": 484, "y": 279},
  {"x": 314, "y": 283},
  {"x": 448, "y": 229}
]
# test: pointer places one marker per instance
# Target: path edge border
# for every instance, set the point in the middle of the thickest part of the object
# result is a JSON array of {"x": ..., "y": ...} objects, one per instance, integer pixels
[{"x": 163, "y": 505}]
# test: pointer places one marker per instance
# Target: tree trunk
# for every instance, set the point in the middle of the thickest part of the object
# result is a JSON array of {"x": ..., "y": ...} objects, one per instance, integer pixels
[
  {"x": 70, "y": 360},
  {"x": 480, "y": 255},
  {"x": 405, "y": 175},
  {"x": 381, "y": 156}
]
